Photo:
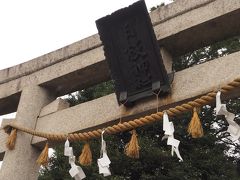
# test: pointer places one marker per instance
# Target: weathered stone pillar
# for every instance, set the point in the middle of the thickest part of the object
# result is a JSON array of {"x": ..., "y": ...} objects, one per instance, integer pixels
[
  {"x": 167, "y": 59},
  {"x": 20, "y": 163}
]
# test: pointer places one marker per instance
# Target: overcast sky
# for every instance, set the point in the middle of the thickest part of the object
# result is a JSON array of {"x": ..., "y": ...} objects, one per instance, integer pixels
[{"x": 31, "y": 28}]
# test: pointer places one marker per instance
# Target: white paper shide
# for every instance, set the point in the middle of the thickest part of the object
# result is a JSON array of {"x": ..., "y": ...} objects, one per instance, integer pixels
[
  {"x": 233, "y": 128},
  {"x": 168, "y": 127},
  {"x": 76, "y": 171},
  {"x": 104, "y": 161}
]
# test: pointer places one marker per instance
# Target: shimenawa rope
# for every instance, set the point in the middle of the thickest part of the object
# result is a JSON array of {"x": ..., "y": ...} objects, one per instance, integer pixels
[{"x": 125, "y": 126}]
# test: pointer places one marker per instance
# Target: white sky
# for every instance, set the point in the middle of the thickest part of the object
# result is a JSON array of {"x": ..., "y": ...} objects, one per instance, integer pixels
[{"x": 31, "y": 28}]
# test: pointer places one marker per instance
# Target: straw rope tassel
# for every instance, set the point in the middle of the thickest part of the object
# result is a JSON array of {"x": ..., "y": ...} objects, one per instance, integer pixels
[
  {"x": 11, "y": 139},
  {"x": 85, "y": 158},
  {"x": 120, "y": 127},
  {"x": 43, "y": 158},
  {"x": 195, "y": 126},
  {"x": 132, "y": 148}
]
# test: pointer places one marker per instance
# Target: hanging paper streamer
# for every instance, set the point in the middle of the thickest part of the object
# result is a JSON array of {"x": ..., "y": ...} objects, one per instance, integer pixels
[
  {"x": 104, "y": 161},
  {"x": 76, "y": 171},
  {"x": 168, "y": 127},
  {"x": 233, "y": 128},
  {"x": 68, "y": 151}
]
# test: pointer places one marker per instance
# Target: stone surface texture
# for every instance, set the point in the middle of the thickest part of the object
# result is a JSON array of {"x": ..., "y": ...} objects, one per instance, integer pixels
[
  {"x": 180, "y": 27},
  {"x": 3, "y": 137},
  {"x": 20, "y": 163},
  {"x": 167, "y": 59},
  {"x": 57, "y": 105},
  {"x": 188, "y": 84}
]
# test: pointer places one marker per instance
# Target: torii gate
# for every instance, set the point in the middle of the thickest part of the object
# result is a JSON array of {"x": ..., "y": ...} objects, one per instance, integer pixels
[{"x": 31, "y": 88}]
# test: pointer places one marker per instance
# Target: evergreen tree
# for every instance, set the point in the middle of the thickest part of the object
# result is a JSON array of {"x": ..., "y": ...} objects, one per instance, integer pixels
[{"x": 213, "y": 156}]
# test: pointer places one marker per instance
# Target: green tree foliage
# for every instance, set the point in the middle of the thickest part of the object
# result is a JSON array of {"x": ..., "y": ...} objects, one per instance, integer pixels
[
  {"x": 155, "y": 7},
  {"x": 91, "y": 93},
  {"x": 208, "y": 53},
  {"x": 211, "y": 157}
]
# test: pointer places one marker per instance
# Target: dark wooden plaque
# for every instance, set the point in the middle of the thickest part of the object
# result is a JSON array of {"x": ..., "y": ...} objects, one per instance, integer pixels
[{"x": 132, "y": 52}]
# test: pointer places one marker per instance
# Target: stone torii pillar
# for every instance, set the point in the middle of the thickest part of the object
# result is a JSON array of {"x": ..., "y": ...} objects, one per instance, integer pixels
[{"x": 20, "y": 163}]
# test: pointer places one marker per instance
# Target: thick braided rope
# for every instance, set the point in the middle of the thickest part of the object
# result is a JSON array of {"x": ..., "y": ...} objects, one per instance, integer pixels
[{"x": 199, "y": 102}]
